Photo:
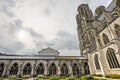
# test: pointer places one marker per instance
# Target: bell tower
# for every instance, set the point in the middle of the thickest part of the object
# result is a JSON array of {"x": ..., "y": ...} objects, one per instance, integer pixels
[{"x": 84, "y": 26}]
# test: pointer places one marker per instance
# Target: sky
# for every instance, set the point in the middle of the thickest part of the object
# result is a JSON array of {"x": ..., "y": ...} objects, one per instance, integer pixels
[{"x": 27, "y": 26}]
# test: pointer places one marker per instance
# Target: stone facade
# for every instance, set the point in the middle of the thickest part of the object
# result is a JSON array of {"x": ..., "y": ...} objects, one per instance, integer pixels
[
  {"x": 99, "y": 37},
  {"x": 42, "y": 65}
]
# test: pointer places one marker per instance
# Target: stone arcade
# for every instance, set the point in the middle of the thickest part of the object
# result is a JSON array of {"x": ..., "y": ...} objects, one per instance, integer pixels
[{"x": 46, "y": 63}]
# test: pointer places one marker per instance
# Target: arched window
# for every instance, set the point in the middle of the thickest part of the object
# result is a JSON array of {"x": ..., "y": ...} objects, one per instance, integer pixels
[
  {"x": 117, "y": 30},
  {"x": 1, "y": 68},
  {"x": 112, "y": 59},
  {"x": 97, "y": 64},
  {"x": 75, "y": 69},
  {"x": 40, "y": 69},
  {"x": 27, "y": 69},
  {"x": 14, "y": 69},
  {"x": 64, "y": 70},
  {"x": 105, "y": 39},
  {"x": 52, "y": 69}
]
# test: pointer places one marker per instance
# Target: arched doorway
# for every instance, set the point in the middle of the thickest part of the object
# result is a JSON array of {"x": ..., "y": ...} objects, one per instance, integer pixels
[
  {"x": 13, "y": 69},
  {"x": 40, "y": 69},
  {"x": 27, "y": 69},
  {"x": 1, "y": 68},
  {"x": 76, "y": 70},
  {"x": 64, "y": 70},
  {"x": 52, "y": 69}
]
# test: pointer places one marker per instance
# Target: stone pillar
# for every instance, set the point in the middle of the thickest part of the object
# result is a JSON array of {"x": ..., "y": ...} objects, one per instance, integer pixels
[
  {"x": 7, "y": 70},
  {"x": 33, "y": 68},
  {"x": 70, "y": 69},
  {"x": 45, "y": 72},
  {"x": 46, "y": 69},
  {"x": 20, "y": 70},
  {"x": 83, "y": 70},
  {"x": 59, "y": 72},
  {"x": 4, "y": 72}
]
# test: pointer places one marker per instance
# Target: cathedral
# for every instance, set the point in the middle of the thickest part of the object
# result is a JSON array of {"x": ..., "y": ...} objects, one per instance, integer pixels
[
  {"x": 99, "y": 37},
  {"x": 99, "y": 41}
]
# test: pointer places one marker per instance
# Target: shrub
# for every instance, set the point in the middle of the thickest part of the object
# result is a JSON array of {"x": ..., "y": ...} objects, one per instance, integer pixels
[
  {"x": 11, "y": 78},
  {"x": 54, "y": 78},
  {"x": 1, "y": 78},
  {"x": 72, "y": 78},
  {"x": 82, "y": 78},
  {"x": 87, "y": 77},
  {"x": 99, "y": 79},
  {"x": 98, "y": 75},
  {"x": 115, "y": 76}
]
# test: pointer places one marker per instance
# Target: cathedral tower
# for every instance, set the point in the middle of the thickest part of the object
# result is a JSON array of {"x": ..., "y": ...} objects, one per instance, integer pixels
[{"x": 85, "y": 30}]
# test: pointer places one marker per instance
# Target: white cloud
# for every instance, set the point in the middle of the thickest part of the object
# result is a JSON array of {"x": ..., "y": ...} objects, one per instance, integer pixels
[{"x": 36, "y": 24}]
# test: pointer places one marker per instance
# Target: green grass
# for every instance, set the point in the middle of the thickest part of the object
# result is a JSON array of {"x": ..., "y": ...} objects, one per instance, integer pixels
[
  {"x": 87, "y": 77},
  {"x": 113, "y": 76}
]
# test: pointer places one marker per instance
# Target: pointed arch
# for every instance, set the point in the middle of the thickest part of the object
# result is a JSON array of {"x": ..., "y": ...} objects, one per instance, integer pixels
[
  {"x": 2, "y": 65},
  {"x": 117, "y": 30},
  {"x": 112, "y": 59},
  {"x": 64, "y": 69},
  {"x": 96, "y": 60},
  {"x": 52, "y": 69},
  {"x": 14, "y": 69},
  {"x": 75, "y": 70},
  {"x": 27, "y": 69},
  {"x": 105, "y": 39},
  {"x": 40, "y": 69}
]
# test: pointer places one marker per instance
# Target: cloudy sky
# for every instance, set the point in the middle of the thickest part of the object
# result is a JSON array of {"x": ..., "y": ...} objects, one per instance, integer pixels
[{"x": 27, "y": 26}]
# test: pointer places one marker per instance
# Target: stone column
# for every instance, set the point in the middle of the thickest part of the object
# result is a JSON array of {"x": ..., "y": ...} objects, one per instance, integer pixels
[
  {"x": 5, "y": 69},
  {"x": 33, "y": 68},
  {"x": 46, "y": 69},
  {"x": 59, "y": 72},
  {"x": 19, "y": 70},
  {"x": 45, "y": 72},
  {"x": 70, "y": 69},
  {"x": 83, "y": 71}
]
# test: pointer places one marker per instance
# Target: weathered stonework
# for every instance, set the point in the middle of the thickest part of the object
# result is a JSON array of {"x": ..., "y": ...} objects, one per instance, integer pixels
[
  {"x": 100, "y": 35},
  {"x": 42, "y": 65}
]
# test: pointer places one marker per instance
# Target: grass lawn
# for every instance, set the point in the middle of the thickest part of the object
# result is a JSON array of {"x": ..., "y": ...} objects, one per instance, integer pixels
[{"x": 87, "y": 77}]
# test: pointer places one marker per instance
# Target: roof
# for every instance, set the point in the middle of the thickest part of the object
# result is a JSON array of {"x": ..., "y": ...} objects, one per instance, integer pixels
[
  {"x": 48, "y": 51},
  {"x": 6, "y": 57},
  {"x": 109, "y": 9}
]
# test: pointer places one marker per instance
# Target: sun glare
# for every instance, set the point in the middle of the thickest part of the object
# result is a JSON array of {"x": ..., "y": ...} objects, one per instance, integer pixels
[{"x": 21, "y": 34}]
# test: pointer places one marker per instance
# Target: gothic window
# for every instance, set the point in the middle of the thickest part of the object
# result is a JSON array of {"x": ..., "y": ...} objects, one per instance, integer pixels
[
  {"x": 86, "y": 68},
  {"x": 112, "y": 59},
  {"x": 75, "y": 70},
  {"x": 117, "y": 30},
  {"x": 52, "y": 69},
  {"x": 40, "y": 69},
  {"x": 14, "y": 69},
  {"x": 1, "y": 68},
  {"x": 105, "y": 39},
  {"x": 64, "y": 70},
  {"x": 27, "y": 69},
  {"x": 97, "y": 64}
]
